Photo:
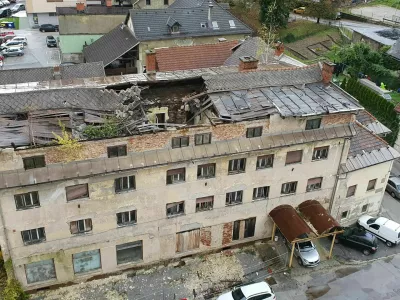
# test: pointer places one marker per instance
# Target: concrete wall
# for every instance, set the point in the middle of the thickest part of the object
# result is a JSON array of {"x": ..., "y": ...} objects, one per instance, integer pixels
[
  {"x": 43, "y": 18},
  {"x": 358, "y": 37},
  {"x": 73, "y": 44}
]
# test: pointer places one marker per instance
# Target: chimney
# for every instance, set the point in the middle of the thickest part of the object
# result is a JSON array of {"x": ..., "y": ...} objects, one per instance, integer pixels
[
  {"x": 279, "y": 49},
  {"x": 210, "y": 6},
  {"x": 57, "y": 72},
  {"x": 327, "y": 71},
  {"x": 80, "y": 7},
  {"x": 151, "y": 62},
  {"x": 247, "y": 63},
  {"x": 109, "y": 3}
]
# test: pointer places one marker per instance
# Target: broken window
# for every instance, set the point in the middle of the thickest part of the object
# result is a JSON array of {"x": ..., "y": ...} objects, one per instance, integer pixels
[
  {"x": 294, "y": 157},
  {"x": 314, "y": 184},
  {"x": 175, "y": 209},
  {"x": 205, "y": 203},
  {"x": 265, "y": 161},
  {"x": 206, "y": 171},
  {"x": 188, "y": 240},
  {"x": 179, "y": 142},
  {"x": 126, "y": 218},
  {"x": 175, "y": 176},
  {"x": 40, "y": 271},
  {"x": 364, "y": 208},
  {"x": 234, "y": 198},
  {"x": 237, "y": 166},
  {"x": 254, "y": 132},
  {"x": 289, "y": 187},
  {"x": 33, "y": 236},
  {"x": 86, "y": 261},
  {"x": 124, "y": 184},
  {"x": 320, "y": 153},
  {"x": 129, "y": 252},
  {"x": 241, "y": 231},
  {"x": 203, "y": 138},
  {"x": 116, "y": 151},
  {"x": 27, "y": 200},
  {"x": 313, "y": 124},
  {"x": 77, "y": 191},
  {"x": 80, "y": 226},
  {"x": 34, "y": 162},
  {"x": 351, "y": 191},
  {"x": 371, "y": 184},
  {"x": 260, "y": 192}
]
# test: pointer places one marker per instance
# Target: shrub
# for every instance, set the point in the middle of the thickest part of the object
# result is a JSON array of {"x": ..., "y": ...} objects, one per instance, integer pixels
[
  {"x": 14, "y": 291},
  {"x": 289, "y": 38}
]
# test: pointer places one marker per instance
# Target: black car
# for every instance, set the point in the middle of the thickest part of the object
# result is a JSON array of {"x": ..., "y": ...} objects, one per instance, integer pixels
[
  {"x": 51, "y": 41},
  {"x": 359, "y": 239},
  {"x": 4, "y": 13},
  {"x": 48, "y": 28}
]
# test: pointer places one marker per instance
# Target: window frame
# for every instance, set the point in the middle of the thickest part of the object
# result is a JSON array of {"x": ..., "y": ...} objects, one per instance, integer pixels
[
  {"x": 310, "y": 124},
  {"x": 241, "y": 166},
  {"x": 31, "y": 240},
  {"x": 366, "y": 208},
  {"x": 75, "y": 186},
  {"x": 354, "y": 192},
  {"x": 130, "y": 180},
  {"x": 346, "y": 216},
  {"x": 290, "y": 192},
  {"x": 122, "y": 150},
  {"x": 267, "y": 157},
  {"x": 237, "y": 194},
  {"x": 256, "y": 193},
  {"x": 321, "y": 157},
  {"x": 309, "y": 189},
  {"x": 84, "y": 221},
  {"x": 373, "y": 187},
  {"x": 180, "y": 139},
  {"x": 172, "y": 173},
  {"x": 126, "y": 246},
  {"x": 210, "y": 203},
  {"x": 202, "y": 142},
  {"x": 37, "y": 159},
  {"x": 148, "y": 2},
  {"x": 253, "y": 132},
  {"x": 293, "y": 162},
  {"x": 23, "y": 195},
  {"x": 131, "y": 221},
  {"x": 206, "y": 166},
  {"x": 180, "y": 209}
]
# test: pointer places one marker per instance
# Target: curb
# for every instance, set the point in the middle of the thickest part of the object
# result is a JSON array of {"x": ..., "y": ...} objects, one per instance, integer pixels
[{"x": 363, "y": 262}]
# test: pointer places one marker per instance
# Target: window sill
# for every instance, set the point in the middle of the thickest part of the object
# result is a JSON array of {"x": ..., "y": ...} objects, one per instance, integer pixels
[
  {"x": 204, "y": 178},
  {"x": 260, "y": 199},
  {"x": 174, "y": 216},
  {"x": 318, "y": 159},
  {"x": 26, "y": 208},
  {"x": 233, "y": 204},
  {"x": 291, "y": 194},
  {"x": 125, "y": 191},
  {"x": 309, "y": 191},
  {"x": 259, "y": 169},
  {"x": 126, "y": 225},
  {"x": 89, "y": 273},
  {"x": 178, "y": 182},
  {"x": 371, "y": 190},
  {"x": 236, "y": 172},
  {"x": 295, "y": 163},
  {"x": 82, "y": 233},
  {"x": 42, "y": 283},
  {"x": 79, "y": 199},
  {"x": 34, "y": 243},
  {"x": 129, "y": 263},
  {"x": 202, "y": 210}
]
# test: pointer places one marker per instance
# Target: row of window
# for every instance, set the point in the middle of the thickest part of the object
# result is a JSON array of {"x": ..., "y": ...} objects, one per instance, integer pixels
[
  {"x": 351, "y": 190},
  {"x": 345, "y": 214}
]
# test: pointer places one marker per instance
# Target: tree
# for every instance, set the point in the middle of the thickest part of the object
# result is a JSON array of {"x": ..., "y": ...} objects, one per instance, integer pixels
[
  {"x": 325, "y": 9},
  {"x": 274, "y": 12}
]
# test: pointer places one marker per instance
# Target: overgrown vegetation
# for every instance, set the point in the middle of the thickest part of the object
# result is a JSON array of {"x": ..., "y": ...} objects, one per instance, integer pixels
[
  {"x": 325, "y": 9},
  {"x": 302, "y": 29},
  {"x": 70, "y": 146},
  {"x": 109, "y": 129},
  {"x": 274, "y": 13},
  {"x": 13, "y": 289},
  {"x": 382, "y": 109}
]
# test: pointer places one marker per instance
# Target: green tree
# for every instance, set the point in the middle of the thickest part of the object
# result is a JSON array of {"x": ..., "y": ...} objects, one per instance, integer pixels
[
  {"x": 275, "y": 12},
  {"x": 324, "y": 9}
]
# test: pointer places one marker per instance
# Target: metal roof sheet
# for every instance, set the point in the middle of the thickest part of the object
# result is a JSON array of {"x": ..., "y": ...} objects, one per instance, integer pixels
[{"x": 317, "y": 215}]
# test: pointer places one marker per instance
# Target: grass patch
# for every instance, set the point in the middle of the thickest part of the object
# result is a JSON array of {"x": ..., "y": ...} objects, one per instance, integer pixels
[
  {"x": 392, "y": 3},
  {"x": 11, "y": 19},
  {"x": 299, "y": 30},
  {"x": 395, "y": 97}
]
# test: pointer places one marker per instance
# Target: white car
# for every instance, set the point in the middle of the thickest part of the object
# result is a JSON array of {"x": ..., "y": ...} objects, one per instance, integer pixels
[
  {"x": 255, "y": 291},
  {"x": 20, "y": 39},
  {"x": 383, "y": 228},
  {"x": 6, "y": 2}
]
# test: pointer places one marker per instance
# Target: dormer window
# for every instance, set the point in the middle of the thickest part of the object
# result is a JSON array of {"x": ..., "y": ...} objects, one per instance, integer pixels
[
  {"x": 175, "y": 29},
  {"x": 173, "y": 25}
]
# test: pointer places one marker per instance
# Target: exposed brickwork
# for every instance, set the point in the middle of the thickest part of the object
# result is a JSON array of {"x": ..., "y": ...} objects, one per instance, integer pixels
[
  {"x": 227, "y": 233},
  {"x": 144, "y": 142},
  {"x": 338, "y": 119},
  {"x": 205, "y": 236},
  {"x": 248, "y": 63},
  {"x": 151, "y": 63},
  {"x": 327, "y": 71},
  {"x": 229, "y": 131}
]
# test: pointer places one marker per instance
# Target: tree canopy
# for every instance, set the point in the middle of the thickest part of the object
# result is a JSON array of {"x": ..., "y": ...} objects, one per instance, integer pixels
[
  {"x": 325, "y": 9},
  {"x": 274, "y": 12}
]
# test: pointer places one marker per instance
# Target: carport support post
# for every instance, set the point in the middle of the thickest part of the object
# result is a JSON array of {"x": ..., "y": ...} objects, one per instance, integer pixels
[
  {"x": 273, "y": 232},
  {"x": 291, "y": 255},
  {"x": 333, "y": 242}
]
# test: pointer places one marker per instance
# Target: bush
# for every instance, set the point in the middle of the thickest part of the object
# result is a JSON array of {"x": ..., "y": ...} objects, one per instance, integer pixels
[
  {"x": 14, "y": 291},
  {"x": 289, "y": 38}
]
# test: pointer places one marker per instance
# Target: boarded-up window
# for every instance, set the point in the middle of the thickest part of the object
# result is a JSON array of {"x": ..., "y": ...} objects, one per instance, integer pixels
[
  {"x": 179, "y": 142},
  {"x": 206, "y": 171},
  {"x": 289, "y": 187},
  {"x": 234, "y": 198},
  {"x": 188, "y": 240},
  {"x": 86, "y": 261},
  {"x": 313, "y": 124},
  {"x": 371, "y": 184},
  {"x": 33, "y": 236},
  {"x": 237, "y": 166},
  {"x": 201, "y": 139},
  {"x": 77, "y": 191},
  {"x": 205, "y": 203},
  {"x": 124, "y": 184},
  {"x": 81, "y": 226},
  {"x": 175, "y": 176},
  {"x": 27, "y": 200},
  {"x": 351, "y": 191},
  {"x": 175, "y": 209},
  {"x": 265, "y": 161},
  {"x": 314, "y": 184},
  {"x": 260, "y": 193},
  {"x": 34, "y": 162},
  {"x": 40, "y": 271},
  {"x": 243, "y": 228},
  {"x": 293, "y": 157},
  {"x": 126, "y": 218},
  {"x": 320, "y": 153},
  {"x": 116, "y": 151},
  {"x": 254, "y": 132},
  {"x": 129, "y": 252}
]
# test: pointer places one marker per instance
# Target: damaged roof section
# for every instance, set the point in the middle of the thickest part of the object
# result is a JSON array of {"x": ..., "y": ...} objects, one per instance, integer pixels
[
  {"x": 371, "y": 123},
  {"x": 317, "y": 215}
]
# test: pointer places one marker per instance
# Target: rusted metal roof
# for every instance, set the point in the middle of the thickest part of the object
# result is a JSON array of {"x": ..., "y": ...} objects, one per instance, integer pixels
[
  {"x": 289, "y": 222},
  {"x": 317, "y": 215}
]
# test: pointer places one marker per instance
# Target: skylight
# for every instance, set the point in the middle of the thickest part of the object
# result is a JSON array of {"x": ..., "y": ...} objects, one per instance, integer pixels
[
  {"x": 215, "y": 25},
  {"x": 232, "y": 24}
]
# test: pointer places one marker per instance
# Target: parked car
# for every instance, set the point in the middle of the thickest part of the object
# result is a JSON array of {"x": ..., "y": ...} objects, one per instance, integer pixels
[
  {"x": 20, "y": 39},
  {"x": 300, "y": 10},
  {"x": 393, "y": 186},
  {"x": 255, "y": 291},
  {"x": 5, "y": 12},
  {"x": 8, "y": 37},
  {"x": 383, "y": 228},
  {"x": 48, "y": 28},
  {"x": 18, "y": 7},
  {"x": 358, "y": 238},
  {"x": 13, "y": 43},
  {"x": 305, "y": 252},
  {"x": 13, "y": 51},
  {"x": 6, "y": 2},
  {"x": 51, "y": 41}
]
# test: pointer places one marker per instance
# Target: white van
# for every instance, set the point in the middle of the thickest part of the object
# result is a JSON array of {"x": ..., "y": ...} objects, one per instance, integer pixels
[
  {"x": 381, "y": 92},
  {"x": 383, "y": 228}
]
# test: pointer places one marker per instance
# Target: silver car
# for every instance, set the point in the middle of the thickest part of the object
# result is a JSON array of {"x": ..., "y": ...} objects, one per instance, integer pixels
[
  {"x": 393, "y": 186},
  {"x": 13, "y": 51},
  {"x": 305, "y": 252}
]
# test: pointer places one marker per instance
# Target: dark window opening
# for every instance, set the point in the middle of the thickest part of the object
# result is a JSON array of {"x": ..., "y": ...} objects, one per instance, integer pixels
[
  {"x": 314, "y": 184},
  {"x": 234, "y": 198},
  {"x": 205, "y": 203},
  {"x": 206, "y": 171},
  {"x": 175, "y": 209},
  {"x": 126, "y": 218},
  {"x": 129, "y": 252},
  {"x": 33, "y": 236},
  {"x": 27, "y": 200},
  {"x": 246, "y": 231},
  {"x": 261, "y": 193},
  {"x": 175, "y": 176},
  {"x": 179, "y": 142},
  {"x": 254, "y": 132},
  {"x": 116, "y": 151},
  {"x": 351, "y": 191},
  {"x": 371, "y": 185},
  {"x": 313, "y": 124},
  {"x": 289, "y": 187},
  {"x": 237, "y": 166},
  {"x": 34, "y": 162},
  {"x": 201, "y": 139},
  {"x": 320, "y": 153},
  {"x": 266, "y": 161},
  {"x": 80, "y": 226},
  {"x": 123, "y": 184}
]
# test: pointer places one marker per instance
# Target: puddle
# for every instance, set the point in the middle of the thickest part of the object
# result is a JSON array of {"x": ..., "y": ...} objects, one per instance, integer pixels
[
  {"x": 314, "y": 292},
  {"x": 340, "y": 273}
]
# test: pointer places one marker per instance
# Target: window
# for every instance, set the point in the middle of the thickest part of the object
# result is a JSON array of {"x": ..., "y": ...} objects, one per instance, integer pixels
[
  {"x": 187, "y": 240},
  {"x": 166, "y": 2},
  {"x": 313, "y": 124},
  {"x": 206, "y": 171},
  {"x": 52, "y": 14},
  {"x": 375, "y": 226},
  {"x": 34, "y": 162},
  {"x": 234, "y": 198},
  {"x": 175, "y": 176},
  {"x": 80, "y": 226},
  {"x": 175, "y": 28},
  {"x": 254, "y": 132},
  {"x": 237, "y": 166},
  {"x": 148, "y": 2},
  {"x": 260, "y": 192},
  {"x": 205, "y": 203},
  {"x": 33, "y": 236},
  {"x": 320, "y": 153},
  {"x": 265, "y": 161},
  {"x": 27, "y": 200},
  {"x": 201, "y": 139},
  {"x": 77, "y": 191},
  {"x": 40, "y": 271},
  {"x": 215, "y": 25},
  {"x": 294, "y": 157},
  {"x": 129, "y": 252},
  {"x": 241, "y": 232},
  {"x": 175, "y": 209},
  {"x": 232, "y": 24},
  {"x": 351, "y": 191},
  {"x": 126, "y": 218},
  {"x": 289, "y": 187},
  {"x": 371, "y": 184},
  {"x": 116, "y": 151},
  {"x": 86, "y": 261},
  {"x": 314, "y": 184},
  {"x": 364, "y": 208},
  {"x": 344, "y": 215},
  {"x": 179, "y": 142},
  {"x": 124, "y": 184}
]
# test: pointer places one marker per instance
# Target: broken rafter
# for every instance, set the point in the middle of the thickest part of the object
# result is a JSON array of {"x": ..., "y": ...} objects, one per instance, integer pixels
[{"x": 194, "y": 97}]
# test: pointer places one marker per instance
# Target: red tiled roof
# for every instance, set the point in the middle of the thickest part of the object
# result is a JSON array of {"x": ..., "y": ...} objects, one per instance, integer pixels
[{"x": 194, "y": 57}]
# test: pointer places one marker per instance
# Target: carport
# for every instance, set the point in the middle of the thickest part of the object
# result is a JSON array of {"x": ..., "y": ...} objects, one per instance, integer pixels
[{"x": 291, "y": 225}]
